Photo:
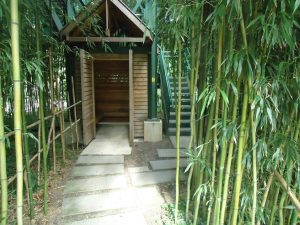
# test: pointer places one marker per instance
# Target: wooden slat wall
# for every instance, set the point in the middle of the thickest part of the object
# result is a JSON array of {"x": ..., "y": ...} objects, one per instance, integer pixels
[
  {"x": 140, "y": 92},
  {"x": 87, "y": 97},
  {"x": 112, "y": 90}
]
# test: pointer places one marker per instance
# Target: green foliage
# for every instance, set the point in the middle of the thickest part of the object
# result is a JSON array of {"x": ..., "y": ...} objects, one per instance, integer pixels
[{"x": 260, "y": 64}]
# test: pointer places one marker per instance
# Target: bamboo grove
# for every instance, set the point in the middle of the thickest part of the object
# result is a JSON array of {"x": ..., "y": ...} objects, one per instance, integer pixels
[
  {"x": 33, "y": 103},
  {"x": 241, "y": 59}
]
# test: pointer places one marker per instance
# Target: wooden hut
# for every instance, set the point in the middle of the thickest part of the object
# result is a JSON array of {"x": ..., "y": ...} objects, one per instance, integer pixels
[{"x": 111, "y": 72}]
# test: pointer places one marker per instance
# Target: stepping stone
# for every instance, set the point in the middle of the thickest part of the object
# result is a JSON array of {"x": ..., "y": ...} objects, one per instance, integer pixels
[
  {"x": 134, "y": 218},
  {"x": 95, "y": 184},
  {"x": 184, "y": 141},
  {"x": 80, "y": 171},
  {"x": 170, "y": 153},
  {"x": 167, "y": 164},
  {"x": 112, "y": 200},
  {"x": 108, "y": 147},
  {"x": 154, "y": 177},
  {"x": 97, "y": 202},
  {"x": 138, "y": 169},
  {"x": 104, "y": 159}
]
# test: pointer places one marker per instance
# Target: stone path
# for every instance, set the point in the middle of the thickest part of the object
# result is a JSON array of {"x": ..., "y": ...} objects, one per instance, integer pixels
[{"x": 101, "y": 190}]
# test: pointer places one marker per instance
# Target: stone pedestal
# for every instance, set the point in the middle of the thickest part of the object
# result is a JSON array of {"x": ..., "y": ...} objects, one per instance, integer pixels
[{"x": 152, "y": 130}]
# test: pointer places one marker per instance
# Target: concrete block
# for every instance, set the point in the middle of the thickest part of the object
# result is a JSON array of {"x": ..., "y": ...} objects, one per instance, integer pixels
[
  {"x": 167, "y": 164},
  {"x": 152, "y": 130},
  {"x": 170, "y": 153},
  {"x": 111, "y": 200},
  {"x": 99, "y": 170},
  {"x": 131, "y": 218},
  {"x": 103, "y": 159},
  {"x": 184, "y": 141},
  {"x": 116, "y": 199},
  {"x": 138, "y": 169},
  {"x": 155, "y": 177},
  {"x": 96, "y": 184}
]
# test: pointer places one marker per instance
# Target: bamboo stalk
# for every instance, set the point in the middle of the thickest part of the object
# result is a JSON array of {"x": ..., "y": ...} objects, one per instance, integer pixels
[
  {"x": 288, "y": 190},
  {"x": 3, "y": 172},
  {"x": 61, "y": 119},
  {"x": 241, "y": 146},
  {"x": 11, "y": 179},
  {"x": 75, "y": 114},
  {"x": 27, "y": 158},
  {"x": 178, "y": 123},
  {"x": 39, "y": 153},
  {"x": 52, "y": 108},
  {"x": 70, "y": 119},
  {"x": 42, "y": 113},
  {"x": 216, "y": 117},
  {"x": 17, "y": 105}
]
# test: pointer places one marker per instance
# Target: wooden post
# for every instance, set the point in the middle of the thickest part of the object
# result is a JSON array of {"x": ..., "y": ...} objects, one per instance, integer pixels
[{"x": 131, "y": 101}]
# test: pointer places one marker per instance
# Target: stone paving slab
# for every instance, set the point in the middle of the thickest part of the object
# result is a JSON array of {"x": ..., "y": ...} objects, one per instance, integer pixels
[
  {"x": 132, "y": 218},
  {"x": 167, "y": 164},
  {"x": 154, "y": 177},
  {"x": 108, "y": 147},
  {"x": 95, "y": 184},
  {"x": 116, "y": 199},
  {"x": 170, "y": 153},
  {"x": 97, "y": 202},
  {"x": 138, "y": 169},
  {"x": 184, "y": 141},
  {"x": 80, "y": 171},
  {"x": 103, "y": 159}
]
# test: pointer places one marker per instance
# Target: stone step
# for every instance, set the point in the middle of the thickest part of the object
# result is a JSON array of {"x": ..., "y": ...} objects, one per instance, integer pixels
[
  {"x": 99, "y": 170},
  {"x": 153, "y": 177},
  {"x": 95, "y": 184},
  {"x": 97, "y": 159},
  {"x": 184, "y": 141},
  {"x": 170, "y": 153},
  {"x": 167, "y": 164},
  {"x": 111, "y": 200},
  {"x": 138, "y": 169},
  {"x": 184, "y": 115},
  {"x": 130, "y": 218},
  {"x": 183, "y": 123},
  {"x": 184, "y": 131}
]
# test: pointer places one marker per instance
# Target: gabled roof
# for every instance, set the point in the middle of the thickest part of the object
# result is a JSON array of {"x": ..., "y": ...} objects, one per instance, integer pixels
[{"x": 116, "y": 17}]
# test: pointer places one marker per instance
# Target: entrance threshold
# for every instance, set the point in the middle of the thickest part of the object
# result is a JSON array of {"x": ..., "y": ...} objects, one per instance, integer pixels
[{"x": 112, "y": 123}]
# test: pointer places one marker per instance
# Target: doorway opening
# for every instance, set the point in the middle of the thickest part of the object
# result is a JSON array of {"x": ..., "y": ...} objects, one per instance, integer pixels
[{"x": 111, "y": 91}]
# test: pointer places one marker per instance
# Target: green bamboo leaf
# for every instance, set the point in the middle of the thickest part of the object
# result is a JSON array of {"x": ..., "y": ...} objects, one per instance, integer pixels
[
  {"x": 225, "y": 97},
  {"x": 31, "y": 135},
  {"x": 296, "y": 6},
  {"x": 271, "y": 118}
]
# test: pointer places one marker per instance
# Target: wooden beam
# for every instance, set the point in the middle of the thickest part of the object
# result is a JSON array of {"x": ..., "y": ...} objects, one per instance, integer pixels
[
  {"x": 82, "y": 15},
  {"x": 110, "y": 56},
  {"x": 127, "y": 12},
  {"x": 105, "y": 39},
  {"x": 107, "y": 30}
]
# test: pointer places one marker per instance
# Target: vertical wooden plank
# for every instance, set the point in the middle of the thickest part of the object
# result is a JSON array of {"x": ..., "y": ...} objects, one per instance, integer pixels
[
  {"x": 93, "y": 94},
  {"x": 131, "y": 99},
  {"x": 87, "y": 97},
  {"x": 84, "y": 137}
]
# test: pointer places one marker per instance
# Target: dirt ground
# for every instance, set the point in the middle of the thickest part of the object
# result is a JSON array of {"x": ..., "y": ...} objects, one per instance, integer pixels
[{"x": 142, "y": 153}]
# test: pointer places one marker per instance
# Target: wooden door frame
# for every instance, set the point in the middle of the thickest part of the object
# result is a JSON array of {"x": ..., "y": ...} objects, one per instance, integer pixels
[
  {"x": 131, "y": 102},
  {"x": 126, "y": 57}
]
